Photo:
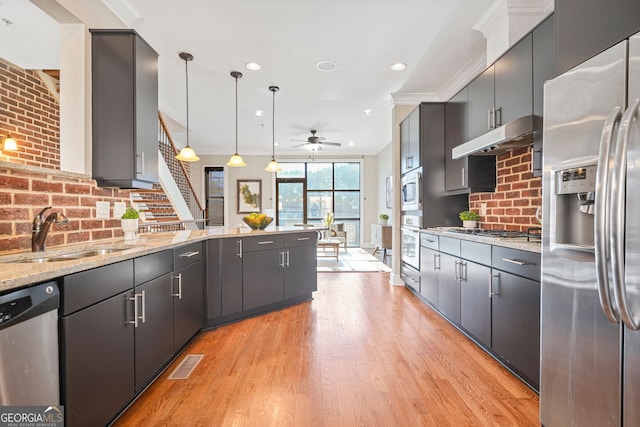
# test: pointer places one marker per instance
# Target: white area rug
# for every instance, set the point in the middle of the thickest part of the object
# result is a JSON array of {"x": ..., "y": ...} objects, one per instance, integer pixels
[{"x": 355, "y": 259}]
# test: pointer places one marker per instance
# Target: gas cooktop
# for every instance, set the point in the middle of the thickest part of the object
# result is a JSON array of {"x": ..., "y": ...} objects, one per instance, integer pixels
[{"x": 532, "y": 234}]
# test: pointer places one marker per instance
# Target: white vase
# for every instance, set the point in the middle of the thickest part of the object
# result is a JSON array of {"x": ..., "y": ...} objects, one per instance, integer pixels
[
  {"x": 384, "y": 222},
  {"x": 469, "y": 224},
  {"x": 130, "y": 227}
]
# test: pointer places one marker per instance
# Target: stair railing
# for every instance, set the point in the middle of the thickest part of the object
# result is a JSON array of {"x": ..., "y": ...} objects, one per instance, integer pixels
[{"x": 180, "y": 171}]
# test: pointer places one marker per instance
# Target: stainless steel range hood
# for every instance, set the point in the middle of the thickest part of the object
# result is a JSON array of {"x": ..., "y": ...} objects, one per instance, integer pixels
[{"x": 517, "y": 133}]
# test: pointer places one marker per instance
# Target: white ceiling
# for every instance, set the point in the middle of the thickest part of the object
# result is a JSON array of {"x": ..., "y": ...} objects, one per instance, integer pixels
[{"x": 288, "y": 38}]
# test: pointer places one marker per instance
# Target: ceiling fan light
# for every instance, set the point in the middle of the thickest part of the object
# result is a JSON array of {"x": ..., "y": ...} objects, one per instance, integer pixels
[
  {"x": 236, "y": 161},
  {"x": 273, "y": 166},
  {"x": 187, "y": 155}
]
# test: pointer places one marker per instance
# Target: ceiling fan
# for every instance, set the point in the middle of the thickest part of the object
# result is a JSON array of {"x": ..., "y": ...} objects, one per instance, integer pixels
[{"x": 315, "y": 142}]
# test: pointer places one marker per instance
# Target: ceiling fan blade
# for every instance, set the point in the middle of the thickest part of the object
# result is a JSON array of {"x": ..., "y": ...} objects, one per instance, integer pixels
[
  {"x": 335, "y": 144},
  {"x": 299, "y": 140},
  {"x": 299, "y": 145}
]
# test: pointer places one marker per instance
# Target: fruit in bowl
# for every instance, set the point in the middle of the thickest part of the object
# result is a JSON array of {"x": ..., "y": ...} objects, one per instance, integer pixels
[{"x": 257, "y": 221}]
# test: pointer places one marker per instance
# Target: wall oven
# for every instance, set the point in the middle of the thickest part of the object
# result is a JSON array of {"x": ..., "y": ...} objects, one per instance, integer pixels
[
  {"x": 410, "y": 253},
  {"x": 411, "y": 191}
]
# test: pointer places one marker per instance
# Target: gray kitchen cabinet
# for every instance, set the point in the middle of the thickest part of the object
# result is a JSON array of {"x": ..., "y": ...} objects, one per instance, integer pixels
[
  {"x": 585, "y": 28},
  {"x": 470, "y": 173},
  {"x": 513, "y": 74},
  {"x": 480, "y": 103},
  {"x": 213, "y": 282},
  {"x": 231, "y": 276},
  {"x": 300, "y": 271},
  {"x": 97, "y": 343},
  {"x": 262, "y": 275},
  {"x": 124, "y": 75},
  {"x": 410, "y": 154},
  {"x": 429, "y": 268},
  {"x": 544, "y": 68},
  {"x": 449, "y": 287},
  {"x": 475, "y": 301},
  {"x": 188, "y": 293}
]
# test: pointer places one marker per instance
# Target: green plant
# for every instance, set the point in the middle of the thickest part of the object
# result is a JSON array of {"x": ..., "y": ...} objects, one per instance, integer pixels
[
  {"x": 384, "y": 217},
  {"x": 130, "y": 213},
  {"x": 469, "y": 216}
]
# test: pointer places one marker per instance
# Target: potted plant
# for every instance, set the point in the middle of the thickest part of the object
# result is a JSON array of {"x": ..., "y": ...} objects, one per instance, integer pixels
[
  {"x": 469, "y": 219},
  {"x": 383, "y": 219},
  {"x": 327, "y": 221},
  {"x": 129, "y": 223}
]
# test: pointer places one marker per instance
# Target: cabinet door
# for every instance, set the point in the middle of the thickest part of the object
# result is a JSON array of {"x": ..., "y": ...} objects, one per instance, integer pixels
[
  {"x": 429, "y": 275},
  {"x": 475, "y": 302},
  {"x": 414, "y": 160},
  {"x": 98, "y": 346},
  {"x": 480, "y": 101},
  {"x": 455, "y": 134},
  {"x": 513, "y": 88},
  {"x": 588, "y": 27},
  {"x": 263, "y": 280},
  {"x": 515, "y": 322},
  {"x": 231, "y": 276},
  {"x": 213, "y": 281},
  {"x": 405, "y": 149},
  {"x": 188, "y": 303},
  {"x": 154, "y": 338},
  {"x": 146, "y": 107},
  {"x": 449, "y": 287},
  {"x": 300, "y": 275}
]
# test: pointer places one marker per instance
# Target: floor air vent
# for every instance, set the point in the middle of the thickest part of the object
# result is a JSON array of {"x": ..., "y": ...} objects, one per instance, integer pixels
[{"x": 186, "y": 367}]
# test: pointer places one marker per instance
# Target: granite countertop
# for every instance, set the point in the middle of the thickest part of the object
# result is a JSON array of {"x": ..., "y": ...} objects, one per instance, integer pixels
[
  {"x": 520, "y": 243},
  {"x": 15, "y": 272}
]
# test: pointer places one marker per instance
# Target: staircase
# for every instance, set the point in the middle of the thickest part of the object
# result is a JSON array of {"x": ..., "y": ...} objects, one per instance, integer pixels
[{"x": 154, "y": 205}]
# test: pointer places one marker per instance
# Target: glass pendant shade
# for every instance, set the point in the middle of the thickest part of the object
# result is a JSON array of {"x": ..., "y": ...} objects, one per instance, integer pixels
[
  {"x": 10, "y": 144},
  {"x": 187, "y": 154},
  {"x": 236, "y": 161},
  {"x": 273, "y": 166}
]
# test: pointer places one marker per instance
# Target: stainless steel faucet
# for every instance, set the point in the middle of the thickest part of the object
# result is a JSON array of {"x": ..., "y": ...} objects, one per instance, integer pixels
[{"x": 41, "y": 228}]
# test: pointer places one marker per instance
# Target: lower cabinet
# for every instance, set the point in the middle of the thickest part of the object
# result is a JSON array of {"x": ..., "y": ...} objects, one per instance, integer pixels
[
  {"x": 515, "y": 323},
  {"x": 260, "y": 271},
  {"x": 449, "y": 287},
  {"x": 475, "y": 301},
  {"x": 430, "y": 265},
  {"x": 188, "y": 293}
]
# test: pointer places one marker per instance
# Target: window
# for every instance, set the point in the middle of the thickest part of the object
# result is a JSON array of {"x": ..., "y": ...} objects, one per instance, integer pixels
[
  {"x": 307, "y": 191},
  {"x": 215, "y": 195}
]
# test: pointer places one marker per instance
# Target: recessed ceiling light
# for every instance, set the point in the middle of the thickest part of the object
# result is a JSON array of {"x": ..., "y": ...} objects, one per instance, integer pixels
[
  {"x": 259, "y": 113},
  {"x": 276, "y": 144},
  {"x": 398, "y": 66},
  {"x": 326, "y": 65},
  {"x": 253, "y": 66},
  {"x": 367, "y": 112},
  {"x": 351, "y": 143}
]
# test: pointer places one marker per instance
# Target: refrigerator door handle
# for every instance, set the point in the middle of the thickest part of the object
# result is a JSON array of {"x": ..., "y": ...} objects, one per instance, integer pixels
[
  {"x": 618, "y": 215},
  {"x": 601, "y": 213}
]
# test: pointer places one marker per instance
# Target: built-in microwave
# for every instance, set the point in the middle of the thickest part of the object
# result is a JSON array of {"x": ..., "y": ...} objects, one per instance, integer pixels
[{"x": 411, "y": 191}]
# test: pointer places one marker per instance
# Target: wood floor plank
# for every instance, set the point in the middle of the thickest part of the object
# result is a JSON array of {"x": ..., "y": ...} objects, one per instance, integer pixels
[{"x": 362, "y": 353}]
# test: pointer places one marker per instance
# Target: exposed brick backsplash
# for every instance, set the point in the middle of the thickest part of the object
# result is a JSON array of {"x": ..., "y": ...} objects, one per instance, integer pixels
[
  {"x": 24, "y": 191},
  {"x": 518, "y": 194},
  {"x": 31, "y": 115}
]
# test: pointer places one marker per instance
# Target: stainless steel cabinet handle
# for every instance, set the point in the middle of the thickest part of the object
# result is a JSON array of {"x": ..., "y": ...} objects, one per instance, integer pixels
[
  {"x": 143, "y": 300},
  {"x": 497, "y": 122},
  {"x": 282, "y": 259},
  {"x": 179, "y": 294},
  {"x": 436, "y": 266},
  {"x": 140, "y": 170},
  {"x": 463, "y": 271},
  {"x": 266, "y": 242},
  {"x": 515, "y": 261},
  {"x": 489, "y": 122},
  {"x": 302, "y": 238},
  {"x": 601, "y": 215},
  {"x": 457, "y": 270},
  {"x": 134, "y": 298},
  {"x": 239, "y": 248},
  {"x": 618, "y": 208},
  {"x": 287, "y": 262},
  {"x": 189, "y": 254},
  {"x": 491, "y": 276},
  {"x": 463, "y": 178}
]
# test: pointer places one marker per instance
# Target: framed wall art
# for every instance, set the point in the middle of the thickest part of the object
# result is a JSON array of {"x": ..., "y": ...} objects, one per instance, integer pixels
[{"x": 249, "y": 195}]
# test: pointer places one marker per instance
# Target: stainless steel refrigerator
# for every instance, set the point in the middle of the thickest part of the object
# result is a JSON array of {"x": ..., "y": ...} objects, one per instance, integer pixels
[{"x": 590, "y": 307}]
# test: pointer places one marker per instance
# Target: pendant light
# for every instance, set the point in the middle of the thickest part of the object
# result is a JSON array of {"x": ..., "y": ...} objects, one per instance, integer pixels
[
  {"x": 236, "y": 160},
  {"x": 273, "y": 166},
  {"x": 187, "y": 154}
]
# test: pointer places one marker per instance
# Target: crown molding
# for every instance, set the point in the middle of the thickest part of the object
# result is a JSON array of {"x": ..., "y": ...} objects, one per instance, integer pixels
[{"x": 400, "y": 98}]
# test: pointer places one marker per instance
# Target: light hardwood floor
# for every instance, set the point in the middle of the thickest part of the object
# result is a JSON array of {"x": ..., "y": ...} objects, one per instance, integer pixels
[{"x": 362, "y": 353}]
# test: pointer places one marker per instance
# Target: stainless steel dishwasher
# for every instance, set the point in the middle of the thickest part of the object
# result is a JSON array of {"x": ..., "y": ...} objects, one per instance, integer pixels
[{"x": 29, "y": 369}]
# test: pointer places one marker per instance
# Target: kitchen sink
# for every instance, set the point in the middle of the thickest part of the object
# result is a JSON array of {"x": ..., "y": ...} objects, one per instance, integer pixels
[{"x": 71, "y": 256}]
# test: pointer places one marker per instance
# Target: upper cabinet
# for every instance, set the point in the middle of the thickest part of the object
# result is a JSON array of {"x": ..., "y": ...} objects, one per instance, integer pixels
[
  {"x": 410, "y": 142},
  {"x": 125, "y": 109},
  {"x": 544, "y": 68},
  {"x": 470, "y": 173},
  {"x": 502, "y": 92},
  {"x": 585, "y": 28}
]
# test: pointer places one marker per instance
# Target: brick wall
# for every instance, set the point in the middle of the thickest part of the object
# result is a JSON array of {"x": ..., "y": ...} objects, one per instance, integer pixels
[
  {"x": 24, "y": 191},
  {"x": 31, "y": 115},
  {"x": 518, "y": 194}
]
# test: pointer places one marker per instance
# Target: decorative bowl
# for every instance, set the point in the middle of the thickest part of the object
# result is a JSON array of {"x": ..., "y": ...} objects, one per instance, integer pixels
[{"x": 257, "y": 221}]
